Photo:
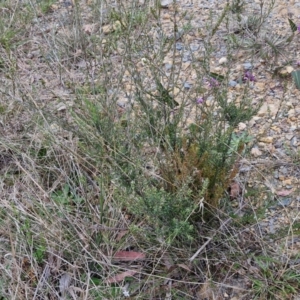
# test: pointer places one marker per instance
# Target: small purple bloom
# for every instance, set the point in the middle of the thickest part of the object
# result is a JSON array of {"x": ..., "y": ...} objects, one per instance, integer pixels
[
  {"x": 200, "y": 100},
  {"x": 213, "y": 82},
  {"x": 249, "y": 76},
  {"x": 298, "y": 27}
]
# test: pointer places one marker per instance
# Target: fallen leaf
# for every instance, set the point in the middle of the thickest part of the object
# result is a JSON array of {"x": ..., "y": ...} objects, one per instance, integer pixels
[
  {"x": 128, "y": 255},
  {"x": 267, "y": 139},
  {"x": 88, "y": 28},
  {"x": 256, "y": 152},
  {"x": 234, "y": 190},
  {"x": 284, "y": 192},
  {"x": 121, "y": 276}
]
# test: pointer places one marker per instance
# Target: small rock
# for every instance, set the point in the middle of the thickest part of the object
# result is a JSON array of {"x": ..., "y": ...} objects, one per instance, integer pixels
[
  {"x": 222, "y": 60},
  {"x": 175, "y": 91},
  {"x": 209, "y": 101},
  {"x": 122, "y": 102},
  {"x": 117, "y": 25},
  {"x": 294, "y": 141},
  {"x": 285, "y": 202},
  {"x": 165, "y": 3},
  {"x": 217, "y": 69},
  {"x": 289, "y": 69},
  {"x": 107, "y": 29},
  {"x": 247, "y": 66},
  {"x": 186, "y": 58},
  {"x": 232, "y": 83},
  {"x": 242, "y": 126},
  {"x": 61, "y": 106},
  {"x": 168, "y": 66},
  {"x": 67, "y": 4},
  {"x": 187, "y": 85},
  {"x": 179, "y": 34},
  {"x": 291, "y": 112},
  {"x": 194, "y": 47},
  {"x": 283, "y": 170},
  {"x": 286, "y": 70},
  {"x": 179, "y": 46},
  {"x": 268, "y": 108},
  {"x": 278, "y": 144}
]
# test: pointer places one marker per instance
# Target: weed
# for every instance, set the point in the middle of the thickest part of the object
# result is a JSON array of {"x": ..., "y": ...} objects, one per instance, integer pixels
[{"x": 129, "y": 142}]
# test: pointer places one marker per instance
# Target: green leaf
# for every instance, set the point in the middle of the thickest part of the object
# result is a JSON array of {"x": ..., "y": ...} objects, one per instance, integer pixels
[
  {"x": 216, "y": 76},
  {"x": 296, "y": 77},
  {"x": 293, "y": 25}
]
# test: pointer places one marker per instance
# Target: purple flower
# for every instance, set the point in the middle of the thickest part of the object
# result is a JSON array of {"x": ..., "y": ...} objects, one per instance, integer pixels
[
  {"x": 298, "y": 27},
  {"x": 213, "y": 82},
  {"x": 249, "y": 76},
  {"x": 200, "y": 100}
]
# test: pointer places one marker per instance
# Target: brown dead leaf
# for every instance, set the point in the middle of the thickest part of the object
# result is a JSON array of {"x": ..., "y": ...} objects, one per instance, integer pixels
[
  {"x": 256, "y": 152},
  {"x": 121, "y": 276},
  {"x": 234, "y": 190},
  {"x": 54, "y": 7},
  {"x": 284, "y": 192},
  {"x": 128, "y": 255},
  {"x": 88, "y": 28}
]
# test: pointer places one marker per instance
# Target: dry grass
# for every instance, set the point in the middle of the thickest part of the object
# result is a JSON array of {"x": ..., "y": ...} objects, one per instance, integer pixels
[{"x": 84, "y": 176}]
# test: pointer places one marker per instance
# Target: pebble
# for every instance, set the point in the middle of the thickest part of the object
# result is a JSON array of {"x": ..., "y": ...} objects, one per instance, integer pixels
[
  {"x": 285, "y": 202},
  {"x": 294, "y": 141},
  {"x": 222, "y": 60},
  {"x": 122, "y": 102},
  {"x": 278, "y": 144},
  {"x": 168, "y": 66},
  {"x": 194, "y": 47},
  {"x": 247, "y": 66},
  {"x": 187, "y": 85},
  {"x": 179, "y": 46},
  {"x": 186, "y": 58},
  {"x": 283, "y": 170},
  {"x": 107, "y": 29},
  {"x": 179, "y": 34},
  {"x": 165, "y": 3},
  {"x": 242, "y": 126},
  {"x": 232, "y": 83}
]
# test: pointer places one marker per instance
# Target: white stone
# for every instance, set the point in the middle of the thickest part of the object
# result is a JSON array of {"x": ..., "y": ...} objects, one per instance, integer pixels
[
  {"x": 222, "y": 60},
  {"x": 242, "y": 126},
  {"x": 165, "y": 3}
]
